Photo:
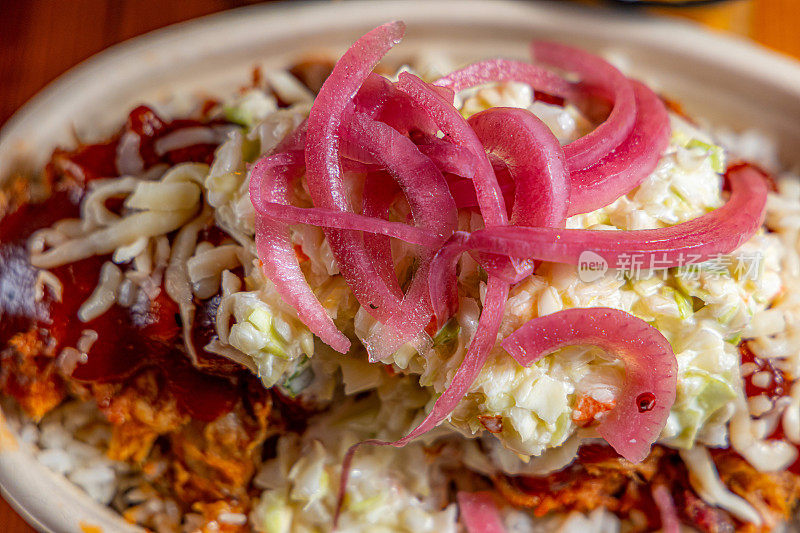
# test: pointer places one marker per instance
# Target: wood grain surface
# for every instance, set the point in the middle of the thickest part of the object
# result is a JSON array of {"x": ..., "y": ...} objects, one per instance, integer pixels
[{"x": 40, "y": 39}]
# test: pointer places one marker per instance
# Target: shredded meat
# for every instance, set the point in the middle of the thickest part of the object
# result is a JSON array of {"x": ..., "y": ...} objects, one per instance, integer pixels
[
  {"x": 774, "y": 494},
  {"x": 140, "y": 410},
  {"x": 704, "y": 517},
  {"x": 15, "y": 192},
  {"x": 599, "y": 478},
  {"x": 208, "y": 461},
  {"x": 28, "y": 375},
  {"x": 217, "y": 460}
]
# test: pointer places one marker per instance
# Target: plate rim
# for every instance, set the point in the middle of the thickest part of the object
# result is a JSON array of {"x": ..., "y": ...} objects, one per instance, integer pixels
[{"x": 728, "y": 50}]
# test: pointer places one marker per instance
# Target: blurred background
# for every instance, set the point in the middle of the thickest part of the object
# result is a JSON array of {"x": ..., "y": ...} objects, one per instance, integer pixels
[{"x": 41, "y": 39}]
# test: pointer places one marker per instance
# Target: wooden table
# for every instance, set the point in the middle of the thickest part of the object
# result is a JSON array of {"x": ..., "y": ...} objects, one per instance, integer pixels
[{"x": 40, "y": 39}]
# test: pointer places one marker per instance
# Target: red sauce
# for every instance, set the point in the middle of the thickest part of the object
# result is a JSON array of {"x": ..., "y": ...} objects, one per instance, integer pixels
[
  {"x": 150, "y": 127},
  {"x": 18, "y": 310},
  {"x": 16, "y": 227},
  {"x": 778, "y": 386},
  {"x": 146, "y": 335},
  {"x": 96, "y": 160},
  {"x": 204, "y": 331},
  {"x": 596, "y": 453},
  {"x": 794, "y": 468},
  {"x": 90, "y": 162},
  {"x": 777, "y": 383}
]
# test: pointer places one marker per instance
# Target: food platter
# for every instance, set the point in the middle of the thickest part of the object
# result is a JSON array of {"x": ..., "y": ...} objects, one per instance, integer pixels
[{"x": 711, "y": 74}]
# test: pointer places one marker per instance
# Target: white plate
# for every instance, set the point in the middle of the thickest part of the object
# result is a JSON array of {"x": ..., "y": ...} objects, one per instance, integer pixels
[{"x": 725, "y": 79}]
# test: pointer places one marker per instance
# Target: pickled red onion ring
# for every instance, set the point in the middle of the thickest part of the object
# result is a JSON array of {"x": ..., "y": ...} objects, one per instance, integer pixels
[
  {"x": 331, "y": 218},
  {"x": 535, "y": 161},
  {"x": 464, "y": 192},
  {"x": 477, "y": 355},
  {"x": 458, "y": 132},
  {"x": 282, "y": 211},
  {"x": 384, "y": 102},
  {"x": 718, "y": 232},
  {"x": 323, "y": 172},
  {"x": 448, "y": 157},
  {"x": 586, "y": 150},
  {"x": 500, "y": 70},
  {"x": 651, "y": 370},
  {"x": 670, "y": 523},
  {"x": 379, "y": 194},
  {"x": 276, "y": 251},
  {"x": 479, "y": 512},
  {"x": 433, "y": 209},
  {"x": 631, "y": 162}
]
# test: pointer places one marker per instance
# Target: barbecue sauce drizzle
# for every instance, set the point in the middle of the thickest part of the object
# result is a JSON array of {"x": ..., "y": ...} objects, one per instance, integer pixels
[{"x": 145, "y": 336}]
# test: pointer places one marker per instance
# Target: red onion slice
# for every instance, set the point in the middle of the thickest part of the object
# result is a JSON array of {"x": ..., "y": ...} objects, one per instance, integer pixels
[
  {"x": 718, "y": 232},
  {"x": 477, "y": 354},
  {"x": 458, "y": 132},
  {"x": 384, "y": 102},
  {"x": 590, "y": 148},
  {"x": 624, "y": 169},
  {"x": 323, "y": 171},
  {"x": 479, "y": 513},
  {"x": 670, "y": 523},
  {"x": 380, "y": 191},
  {"x": 262, "y": 188},
  {"x": 442, "y": 282},
  {"x": 270, "y": 178},
  {"x": 502, "y": 70},
  {"x": 535, "y": 161},
  {"x": 425, "y": 188},
  {"x": 331, "y": 218},
  {"x": 463, "y": 191},
  {"x": 648, "y": 392},
  {"x": 433, "y": 209},
  {"x": 449, "y": 158}
]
